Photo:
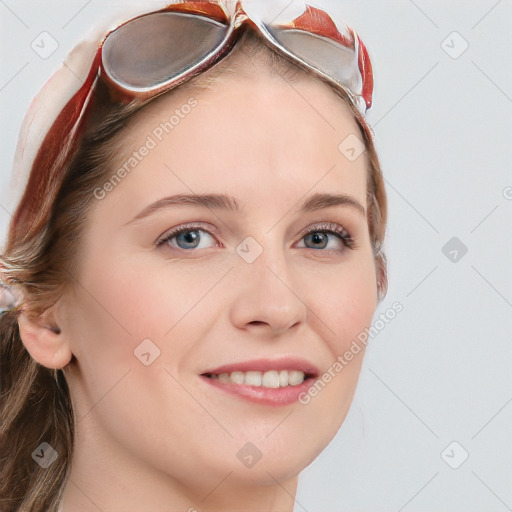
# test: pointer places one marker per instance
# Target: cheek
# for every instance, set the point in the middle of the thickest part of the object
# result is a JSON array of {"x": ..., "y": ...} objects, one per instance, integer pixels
[
  {"x": 347, "y": 301},
  {"x": 128, "y": 299},
  {"x": 344, "y": 310},
  {"x": 342, "y": 302},
  {"x": 137, "y": 297},
  {"x": 113, "y": 313}
]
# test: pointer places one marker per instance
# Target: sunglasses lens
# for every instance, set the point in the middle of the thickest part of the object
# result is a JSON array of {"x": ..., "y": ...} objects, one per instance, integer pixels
[
  {"x": 153, "y": 49},
  {"x": 331, "y": 58}
]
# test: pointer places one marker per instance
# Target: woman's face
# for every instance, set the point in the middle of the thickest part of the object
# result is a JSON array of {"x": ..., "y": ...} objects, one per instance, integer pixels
[{"x": 246, "y": 288}]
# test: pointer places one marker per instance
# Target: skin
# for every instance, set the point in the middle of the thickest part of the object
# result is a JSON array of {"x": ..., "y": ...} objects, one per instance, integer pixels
[{"x": 157, "y": 437}]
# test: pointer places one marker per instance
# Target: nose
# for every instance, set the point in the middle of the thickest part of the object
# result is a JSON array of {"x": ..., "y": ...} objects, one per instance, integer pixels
[{"x": 268, "y": 298}]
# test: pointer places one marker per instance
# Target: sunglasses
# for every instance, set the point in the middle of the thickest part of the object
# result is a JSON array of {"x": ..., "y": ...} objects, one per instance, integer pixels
[{"x": 156, "y": 51}]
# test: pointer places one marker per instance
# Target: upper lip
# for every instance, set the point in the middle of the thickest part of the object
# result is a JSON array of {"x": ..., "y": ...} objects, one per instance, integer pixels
[{"x": 264, "y": 365}]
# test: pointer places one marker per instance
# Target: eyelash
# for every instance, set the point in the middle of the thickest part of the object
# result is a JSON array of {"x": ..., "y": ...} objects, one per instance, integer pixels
[{"x": 326, "y": 228}]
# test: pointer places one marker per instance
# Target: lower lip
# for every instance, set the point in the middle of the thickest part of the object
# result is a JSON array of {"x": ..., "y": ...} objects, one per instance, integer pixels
[{"x": 261, "y": 395}]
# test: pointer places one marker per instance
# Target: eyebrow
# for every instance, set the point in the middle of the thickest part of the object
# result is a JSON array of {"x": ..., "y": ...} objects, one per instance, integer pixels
[{"x": 224, "y": 202}]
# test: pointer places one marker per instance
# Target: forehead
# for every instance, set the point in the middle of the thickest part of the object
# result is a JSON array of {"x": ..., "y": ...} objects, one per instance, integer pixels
[{"x": 257, "y": 129}]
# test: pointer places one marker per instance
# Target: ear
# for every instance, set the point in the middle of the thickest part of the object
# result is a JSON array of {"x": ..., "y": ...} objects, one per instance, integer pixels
[{"x": 44, "y": 340}]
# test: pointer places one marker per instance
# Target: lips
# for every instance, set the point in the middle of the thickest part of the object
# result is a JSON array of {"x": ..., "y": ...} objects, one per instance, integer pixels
[{"x": 265, "y": 381}]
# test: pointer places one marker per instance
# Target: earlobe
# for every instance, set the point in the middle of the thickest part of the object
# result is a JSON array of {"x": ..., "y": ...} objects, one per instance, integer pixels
[{"x": 44, "y": 340}]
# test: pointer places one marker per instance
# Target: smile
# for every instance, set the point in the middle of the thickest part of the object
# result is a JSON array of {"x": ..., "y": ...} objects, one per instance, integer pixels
[
  {"x": 269, "y": 379},
  {"x": 264, "y": 381}
]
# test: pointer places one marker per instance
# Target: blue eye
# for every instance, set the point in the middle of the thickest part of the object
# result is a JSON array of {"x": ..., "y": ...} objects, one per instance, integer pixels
[
  {"x": 189, "y": 236},
  {"x": 321, "y": 234}
]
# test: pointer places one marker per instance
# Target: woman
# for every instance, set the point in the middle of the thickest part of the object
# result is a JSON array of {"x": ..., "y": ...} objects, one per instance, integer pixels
[{"x": 198, "y": 241}]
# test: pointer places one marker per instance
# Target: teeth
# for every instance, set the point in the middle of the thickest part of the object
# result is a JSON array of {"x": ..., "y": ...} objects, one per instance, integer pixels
[
  {"x": 270, "y": 379},
  {"x": 253, "y": 378},
  {"x": 237, "y": 377},
  {"x": 295, "y": 378}
]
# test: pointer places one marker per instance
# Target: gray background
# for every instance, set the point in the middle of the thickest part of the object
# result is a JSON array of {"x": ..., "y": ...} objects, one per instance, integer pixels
[{"x": 441, "y": 370}]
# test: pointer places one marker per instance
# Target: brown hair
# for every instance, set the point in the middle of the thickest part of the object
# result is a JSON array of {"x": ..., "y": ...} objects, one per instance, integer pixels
[{"x": 35, "y": 401}]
